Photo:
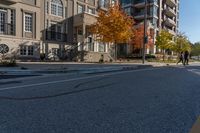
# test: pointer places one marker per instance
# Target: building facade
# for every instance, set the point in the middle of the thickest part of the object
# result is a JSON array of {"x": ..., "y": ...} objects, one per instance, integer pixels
[
  {"x": 59, "y": 29},
  {"x": 161, "y": 14},
  {"x": 18, "y": 27}
]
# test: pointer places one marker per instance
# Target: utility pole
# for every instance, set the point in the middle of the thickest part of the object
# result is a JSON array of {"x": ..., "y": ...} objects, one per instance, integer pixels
[{"x": 145, "y": 30}]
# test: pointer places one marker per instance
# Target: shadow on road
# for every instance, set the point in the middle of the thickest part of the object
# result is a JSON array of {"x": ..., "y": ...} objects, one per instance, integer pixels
[{"x": 56, "y": 95}]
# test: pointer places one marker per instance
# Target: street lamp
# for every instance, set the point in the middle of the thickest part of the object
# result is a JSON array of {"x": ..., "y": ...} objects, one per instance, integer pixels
[{"x": 145, "y": 30}]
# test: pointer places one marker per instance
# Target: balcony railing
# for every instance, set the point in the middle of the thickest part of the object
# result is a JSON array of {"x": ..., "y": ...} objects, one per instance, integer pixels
[
  {"x": 56, "y": 36},
  {"x": 170, "y": 22},
  {"x": 169, "y": 11},
  {"x": 141, "y": 3},
  {"x": 139, "y": 14},
  {"x": 7, "y": 29},
  {"x": 171, "y": 3}
]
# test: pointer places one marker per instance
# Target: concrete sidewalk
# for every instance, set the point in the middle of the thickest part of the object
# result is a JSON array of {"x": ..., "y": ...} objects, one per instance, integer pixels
[{"x": 35, "y": 68}]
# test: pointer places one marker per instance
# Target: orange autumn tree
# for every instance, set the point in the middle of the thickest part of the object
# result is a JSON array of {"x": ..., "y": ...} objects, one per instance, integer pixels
[
  {"x": 138, "y": 39},
  {"x": 113, "y": 26}
]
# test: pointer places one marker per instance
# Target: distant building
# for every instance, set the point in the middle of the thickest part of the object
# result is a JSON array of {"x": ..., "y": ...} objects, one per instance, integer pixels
[{"x": 161, "y": 14}]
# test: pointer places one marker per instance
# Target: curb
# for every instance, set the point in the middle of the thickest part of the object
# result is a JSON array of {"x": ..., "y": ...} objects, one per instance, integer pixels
[{"x": 82, "y": 70}]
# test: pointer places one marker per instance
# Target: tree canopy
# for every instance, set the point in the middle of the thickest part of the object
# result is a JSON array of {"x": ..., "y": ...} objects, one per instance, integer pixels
[
  {"x": 138, "y": 39},
  {"x": 195, "y": 49},
  {"x": 113, "y": 25},
  {"x": 181, "y": 44},
  {"x": 164, "y": 40}
]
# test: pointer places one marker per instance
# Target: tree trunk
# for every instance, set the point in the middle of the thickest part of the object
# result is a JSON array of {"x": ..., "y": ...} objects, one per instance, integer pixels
[
  {"x": 115, "y": 52},
  {"x": 163, "y": 55}
]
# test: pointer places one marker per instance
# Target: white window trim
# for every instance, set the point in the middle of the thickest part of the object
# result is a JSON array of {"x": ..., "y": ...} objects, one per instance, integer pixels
[
  {"x": 28, "y": 14},
  {"x": 63, "y": 10},
  {"x": 3, "y": 10}
]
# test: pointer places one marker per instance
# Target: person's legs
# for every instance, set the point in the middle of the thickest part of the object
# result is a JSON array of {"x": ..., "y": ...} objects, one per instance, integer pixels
[
  {"x": 187, "y": 60},
  {"x": 184, "y": 61},
  {"x": 180, "y": 60}
]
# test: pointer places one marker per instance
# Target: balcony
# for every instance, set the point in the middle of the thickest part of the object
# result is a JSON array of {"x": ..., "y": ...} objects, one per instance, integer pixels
[
  {"x": 171, "y": 31},
  {"x": 171, "y": 3},
  {"x": 169, "y": 12},
  {"x": 7, "y": 29},
  {"x": 84, "y": 18},
  {"x": 141, "y": 3},
  {"x": 56, "y": 36},
  {"x": 139, "y": 15},
  {"x": 170, "y": 22}
]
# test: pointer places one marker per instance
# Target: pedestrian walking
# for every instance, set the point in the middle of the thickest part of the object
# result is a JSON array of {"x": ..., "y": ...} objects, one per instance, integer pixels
[
  {"x": 180, "y": 58},
  {"x": 186, "y": 58}
]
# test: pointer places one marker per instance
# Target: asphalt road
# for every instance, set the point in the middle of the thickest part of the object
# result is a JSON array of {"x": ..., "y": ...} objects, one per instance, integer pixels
[{"x": 151, "y": 100}]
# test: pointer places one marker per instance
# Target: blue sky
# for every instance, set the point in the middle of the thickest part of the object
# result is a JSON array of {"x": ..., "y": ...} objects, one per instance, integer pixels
[{"x": 190, "y": 19}]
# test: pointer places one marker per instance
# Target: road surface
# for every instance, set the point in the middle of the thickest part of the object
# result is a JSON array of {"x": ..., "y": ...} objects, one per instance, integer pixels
[{"x": 150, "y": 100}]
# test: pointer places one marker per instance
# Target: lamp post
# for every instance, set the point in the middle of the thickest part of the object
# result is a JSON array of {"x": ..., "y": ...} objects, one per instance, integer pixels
[{"x": 145, "y": 30}]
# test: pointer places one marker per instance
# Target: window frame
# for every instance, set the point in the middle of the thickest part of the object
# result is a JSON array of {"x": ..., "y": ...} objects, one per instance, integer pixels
[
  {"x": 83, "y": 8},
  {"x": 30, "y": 50},
  {"x": 91, "y": 9},
  {"x": 57, "y": 6},
  {"x": 27, "y": 50},
  {"x": 29, "y": 27}
]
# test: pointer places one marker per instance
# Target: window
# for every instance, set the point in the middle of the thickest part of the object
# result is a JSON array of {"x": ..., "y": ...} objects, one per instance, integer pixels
[
  {"x": 80, "y": 8},
  {"x": 129, "y": 11},
  {"x": 3, "y": 14},
  {"x": 90, "y": 10},
  {"x": 56, "y": 8},
  {"x": 102, "y": 47},
  {"x": 28, "y": 20},
  {"x": 12, "y": 22},
  {"x": 91, "y": 2},
  {"x": 47, "y": 7},
  {"x": 90, "y": 44},
  {"x": 55, "y": 31},
  {"x": 22, "y": 50},
  {"x": 104, "y": 3},
  {"x": 26, "y": 50},
  {"x": 59, "y": 31},
  {"x": 30, "y": 50}
]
